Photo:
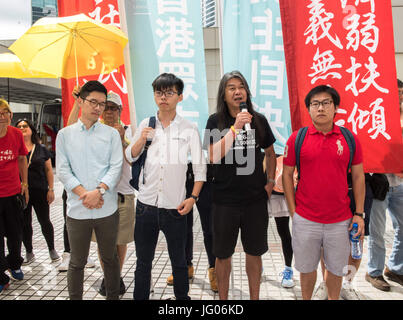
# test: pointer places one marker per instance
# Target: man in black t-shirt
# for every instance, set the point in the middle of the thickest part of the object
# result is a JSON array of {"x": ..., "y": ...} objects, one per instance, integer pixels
[{"x": 240, "y": 187}]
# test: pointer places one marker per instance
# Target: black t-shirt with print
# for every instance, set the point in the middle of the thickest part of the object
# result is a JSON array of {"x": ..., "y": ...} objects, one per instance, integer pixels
[
  {"x": 36, "y": 171},
  {"x": 239, "y": 178}
]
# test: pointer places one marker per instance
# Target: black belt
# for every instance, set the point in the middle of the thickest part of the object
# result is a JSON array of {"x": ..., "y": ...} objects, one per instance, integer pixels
[{"x": 122, "y": 197}]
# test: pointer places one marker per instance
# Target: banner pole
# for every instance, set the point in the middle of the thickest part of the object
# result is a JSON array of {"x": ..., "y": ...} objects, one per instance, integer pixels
[{"x": 220, "y": 27}]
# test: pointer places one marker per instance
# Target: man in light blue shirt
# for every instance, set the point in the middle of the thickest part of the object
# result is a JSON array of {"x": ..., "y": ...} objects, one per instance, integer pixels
[{"x": 89, "y": 160}]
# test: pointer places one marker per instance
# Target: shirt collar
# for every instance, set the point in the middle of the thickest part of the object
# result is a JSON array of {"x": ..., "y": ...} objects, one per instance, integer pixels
[
  {"x": 83, "y": 128},
  {"x": 335, "y": 130},
  {"x": 176, "y": 120}
]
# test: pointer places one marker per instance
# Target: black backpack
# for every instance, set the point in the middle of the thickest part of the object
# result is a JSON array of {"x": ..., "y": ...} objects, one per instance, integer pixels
[{"x": 139, "y": 163}]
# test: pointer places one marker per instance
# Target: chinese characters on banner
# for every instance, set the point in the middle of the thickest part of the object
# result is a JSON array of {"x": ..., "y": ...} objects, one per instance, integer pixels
[
  {"x": 105, "y": 11},
  {"x": 253, "y": 44},
  {"x": 349, "y": 45},
  {"x": 167, "y": 36}
]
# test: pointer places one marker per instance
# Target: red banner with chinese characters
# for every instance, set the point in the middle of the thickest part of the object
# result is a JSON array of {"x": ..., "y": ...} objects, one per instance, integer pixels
[
  {"x": 105, "y": 11},
  {"x": 347, "y": 44}
]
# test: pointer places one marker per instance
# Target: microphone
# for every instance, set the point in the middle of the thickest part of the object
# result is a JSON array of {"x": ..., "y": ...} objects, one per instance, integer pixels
[{"x": 244, "y": 108}]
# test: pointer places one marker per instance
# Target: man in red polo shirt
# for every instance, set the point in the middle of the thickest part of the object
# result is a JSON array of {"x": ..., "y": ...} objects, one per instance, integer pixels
[{"x": 320, "y": 207}]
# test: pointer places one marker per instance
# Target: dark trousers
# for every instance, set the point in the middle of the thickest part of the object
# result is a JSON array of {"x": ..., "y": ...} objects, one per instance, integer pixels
[
  {"x": 37, "y": 200},
  {"x": 10, "y": 228},
  {"x": 149, "y": 221},
  {"x": 283, "y": 229},
  {"x": 204, "y": 206},
  {"x": 189, "y": 219},
  {"x": 65, "y": 233}
]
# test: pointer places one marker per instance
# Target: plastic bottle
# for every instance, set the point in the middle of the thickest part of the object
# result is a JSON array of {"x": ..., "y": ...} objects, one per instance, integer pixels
[{"x": 356, "y": 252}]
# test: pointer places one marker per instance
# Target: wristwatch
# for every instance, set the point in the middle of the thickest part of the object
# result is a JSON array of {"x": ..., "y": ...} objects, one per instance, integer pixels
[
  {"x": 362, "y": 215},
  {"x": 194, "y": 197},
  {"x": 101, "y": 190}
]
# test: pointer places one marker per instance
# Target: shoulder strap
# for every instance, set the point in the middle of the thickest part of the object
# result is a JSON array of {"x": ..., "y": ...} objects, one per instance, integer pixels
[
  {"x": 298, "y": 145},
  {"x": 32, "y": 153},
  {"x": 151, "y": 123},
  {"x": 348, "y": 136}
]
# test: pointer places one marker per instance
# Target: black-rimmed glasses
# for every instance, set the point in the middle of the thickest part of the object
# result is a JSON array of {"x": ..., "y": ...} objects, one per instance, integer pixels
[
  {"x": 168, "y": 94},
  {"x": 95, "y": 103},
  {"x": 325, "y": 103}
]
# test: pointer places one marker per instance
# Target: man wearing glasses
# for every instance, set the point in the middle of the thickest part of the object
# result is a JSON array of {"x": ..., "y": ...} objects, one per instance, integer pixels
[
  {"x": 13, "y": 165},
  {"x": 320, "y": 208},
  {"x": 162, "y": 203},
  {"x": 89, "y": 160},
  {"x": 111, "y": 117}
]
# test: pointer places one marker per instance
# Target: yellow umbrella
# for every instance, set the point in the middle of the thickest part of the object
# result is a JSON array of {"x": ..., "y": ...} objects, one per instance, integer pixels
[
  {"x": 69, "y": 46},
  {"x": 11, "y": 67}
]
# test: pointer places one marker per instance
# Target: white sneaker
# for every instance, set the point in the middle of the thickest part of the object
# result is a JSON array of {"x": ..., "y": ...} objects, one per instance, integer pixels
[
  {"x": 90, "y": 263},
  {"x": 321, "y": 292},
  {"x": 64, "y": 266},
  {"x": 287, "y": 281},
  {"x": 348, "y": 292}
]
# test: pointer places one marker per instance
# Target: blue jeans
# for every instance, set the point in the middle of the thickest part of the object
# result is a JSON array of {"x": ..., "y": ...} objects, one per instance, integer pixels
[
  {"x": 149, "y": 221},
  {"x": 376, "y": 243}
]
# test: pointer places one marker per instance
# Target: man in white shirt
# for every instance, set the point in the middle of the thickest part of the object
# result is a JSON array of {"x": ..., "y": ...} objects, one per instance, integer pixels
[{"x": 161, "y": 203}]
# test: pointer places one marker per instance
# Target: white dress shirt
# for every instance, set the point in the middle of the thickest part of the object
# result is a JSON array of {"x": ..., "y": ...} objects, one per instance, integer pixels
[{"x": 166, "y": 163}]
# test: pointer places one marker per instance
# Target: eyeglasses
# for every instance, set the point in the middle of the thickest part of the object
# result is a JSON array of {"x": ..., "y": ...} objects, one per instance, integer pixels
[
  {"x": 167, "y": 94},
  {"x": 325, "y": 103},
  {"x": 22, "y": 126},
  {"x": 4, "y": 114},
  {"x": 95, "y": 103},
  {"x": 112, "y": 108}
]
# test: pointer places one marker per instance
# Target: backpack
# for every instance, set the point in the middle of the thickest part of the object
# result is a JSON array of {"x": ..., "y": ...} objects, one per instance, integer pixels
[
  {"x": 139, "y": 163},
  {"x": 348, "y": 136}
]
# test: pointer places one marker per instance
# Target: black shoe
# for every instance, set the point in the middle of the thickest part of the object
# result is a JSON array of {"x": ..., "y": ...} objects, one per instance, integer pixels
[
  {"x": 102, "y": 289},
  {"x": 122, "y": 287}
]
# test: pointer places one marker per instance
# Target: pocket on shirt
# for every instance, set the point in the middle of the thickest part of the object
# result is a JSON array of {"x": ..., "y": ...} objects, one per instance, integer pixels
[{"x": 101, "y": 147}]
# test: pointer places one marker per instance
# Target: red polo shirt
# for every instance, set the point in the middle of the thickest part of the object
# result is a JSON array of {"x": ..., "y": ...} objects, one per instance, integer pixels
[{"x": 322, "y": 194}]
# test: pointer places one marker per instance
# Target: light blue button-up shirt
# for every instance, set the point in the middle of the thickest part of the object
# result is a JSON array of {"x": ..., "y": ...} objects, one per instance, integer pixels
[{"x": 89, "y": 157}]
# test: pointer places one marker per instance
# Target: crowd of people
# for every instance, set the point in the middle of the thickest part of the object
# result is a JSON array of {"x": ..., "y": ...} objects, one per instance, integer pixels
[{"x": 234, "y": 177}]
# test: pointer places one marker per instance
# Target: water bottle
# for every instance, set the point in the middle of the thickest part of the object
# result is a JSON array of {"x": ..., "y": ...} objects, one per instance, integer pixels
[{"x": 356, "y": 252}]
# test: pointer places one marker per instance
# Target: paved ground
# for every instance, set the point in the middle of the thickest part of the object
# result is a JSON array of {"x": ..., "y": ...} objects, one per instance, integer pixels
[{"x": 43, "y": 281}]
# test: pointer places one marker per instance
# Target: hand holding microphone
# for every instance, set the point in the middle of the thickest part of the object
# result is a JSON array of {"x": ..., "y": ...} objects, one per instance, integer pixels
[{"x": 243, "y": 118}]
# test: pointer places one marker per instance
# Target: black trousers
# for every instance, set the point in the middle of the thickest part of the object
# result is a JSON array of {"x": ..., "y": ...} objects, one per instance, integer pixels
[
  {"x": 10, "y": 228},
  {"x": 283, "y": 229},
  {"x": 38, "y": 201},
  {"x": 65, "y": 233},
  {"x": 204, "y": 206}
]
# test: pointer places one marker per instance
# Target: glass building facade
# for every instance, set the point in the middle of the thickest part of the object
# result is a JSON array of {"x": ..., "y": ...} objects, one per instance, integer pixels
[
  {"x": 43, "y": 8},
  {"x": 209, "y": 13}
]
